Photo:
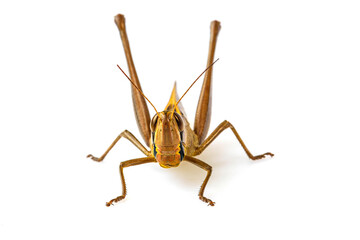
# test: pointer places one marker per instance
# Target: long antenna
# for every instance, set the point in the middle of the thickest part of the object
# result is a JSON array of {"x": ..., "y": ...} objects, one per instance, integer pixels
[
  {"x": 138, "y": 90},
  {"x": 194, "y": 83}
]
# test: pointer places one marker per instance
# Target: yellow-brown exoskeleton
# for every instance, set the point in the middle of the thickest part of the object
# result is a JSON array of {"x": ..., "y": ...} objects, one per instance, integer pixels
[{"x": 168, "y": 134}]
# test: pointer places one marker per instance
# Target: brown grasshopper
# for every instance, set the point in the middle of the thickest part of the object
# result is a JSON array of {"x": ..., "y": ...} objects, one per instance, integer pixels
[{"x": 168, "y": 134}]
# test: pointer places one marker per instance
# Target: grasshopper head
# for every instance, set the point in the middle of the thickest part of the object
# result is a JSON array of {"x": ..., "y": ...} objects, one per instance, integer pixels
[{"x": 167, "y": 132}]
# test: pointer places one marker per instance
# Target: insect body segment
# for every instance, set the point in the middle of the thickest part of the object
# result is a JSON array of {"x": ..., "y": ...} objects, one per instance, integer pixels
[{"x": 168, "y": 154}]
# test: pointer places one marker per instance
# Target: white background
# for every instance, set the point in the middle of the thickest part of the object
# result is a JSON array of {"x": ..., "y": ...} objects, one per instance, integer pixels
[{"x": 287, "y": 79}]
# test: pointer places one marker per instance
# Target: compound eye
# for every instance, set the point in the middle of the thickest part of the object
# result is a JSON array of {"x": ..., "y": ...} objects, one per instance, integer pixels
[
  {"x": 179, "y": 121},
  {"x": 154, "y": 122}
]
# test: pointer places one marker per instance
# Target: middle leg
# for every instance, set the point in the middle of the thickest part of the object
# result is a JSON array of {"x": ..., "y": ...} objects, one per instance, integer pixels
[
  {"x": 129, "y": 136},
  {"x": 224, "y": 125}
]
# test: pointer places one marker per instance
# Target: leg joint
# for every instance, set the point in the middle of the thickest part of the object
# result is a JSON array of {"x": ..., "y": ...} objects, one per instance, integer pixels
[
  {"x": 124, "y": 133},
  {"x": 227, "y": 123}
]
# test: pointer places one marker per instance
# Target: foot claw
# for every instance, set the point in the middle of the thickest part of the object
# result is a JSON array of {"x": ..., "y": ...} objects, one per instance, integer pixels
[
  {"x": 206, "y": 200},
  {"x": 94, "y": 158},
  {"x": 262, "y": 156},
  {"x": 112, "y": 201}
]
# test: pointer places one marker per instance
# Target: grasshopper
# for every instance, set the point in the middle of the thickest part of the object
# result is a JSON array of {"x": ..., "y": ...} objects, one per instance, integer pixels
[{"x": 168, "y": 134}]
